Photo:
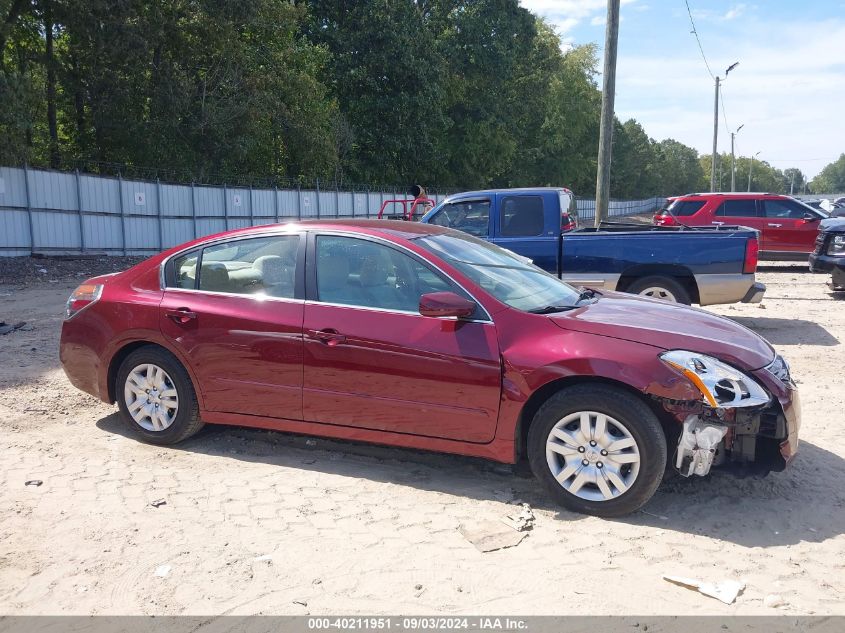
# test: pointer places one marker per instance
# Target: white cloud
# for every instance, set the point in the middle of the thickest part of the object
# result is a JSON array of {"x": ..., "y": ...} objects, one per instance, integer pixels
[
  {"x": 565, "y": 15},
  {"x": 598, "y": 20},
  {"x": 788, "y": 92},
  {"x": 734, "y": 12}
]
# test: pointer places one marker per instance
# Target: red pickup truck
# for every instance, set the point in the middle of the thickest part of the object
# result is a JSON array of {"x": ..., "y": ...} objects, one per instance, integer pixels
[{"x": 788, "y": 227}]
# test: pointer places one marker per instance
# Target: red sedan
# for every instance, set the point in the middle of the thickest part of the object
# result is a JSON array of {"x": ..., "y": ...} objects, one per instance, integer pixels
[{"x": 420, "y": 336}]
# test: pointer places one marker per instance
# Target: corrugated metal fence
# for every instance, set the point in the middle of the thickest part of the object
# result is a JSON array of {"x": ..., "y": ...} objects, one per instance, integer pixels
[{"x": 67, "y": 213}]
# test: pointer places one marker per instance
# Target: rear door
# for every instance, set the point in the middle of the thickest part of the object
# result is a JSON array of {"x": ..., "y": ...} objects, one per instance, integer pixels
[
  {"x": 743, "y": 212},
  {"x": 528, "y": 224},
  {"x": 234, "y": 310},
  {"x": 787, "y": 227},
  {"x": 373, "y": 361}
]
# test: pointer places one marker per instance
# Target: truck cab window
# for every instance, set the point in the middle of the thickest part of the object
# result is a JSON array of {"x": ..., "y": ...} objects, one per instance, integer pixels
[{"x": 471, "y": 216}]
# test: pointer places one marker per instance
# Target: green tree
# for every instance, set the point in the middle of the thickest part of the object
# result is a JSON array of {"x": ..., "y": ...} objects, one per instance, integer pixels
[
  {"x": 831, "y": 179},
  {"x": 384, "y": 71}
]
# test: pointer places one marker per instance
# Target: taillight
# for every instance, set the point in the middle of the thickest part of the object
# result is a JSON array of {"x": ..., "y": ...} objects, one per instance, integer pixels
[
  {"x": 83, "y": 296},
  {"x": 662, "y": 218},
  {"x": 752, "y": 256}
]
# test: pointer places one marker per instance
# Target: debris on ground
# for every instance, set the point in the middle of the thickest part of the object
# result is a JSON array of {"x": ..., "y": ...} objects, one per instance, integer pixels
[
  {"x": 774, "y": 601},
  {"x": 725, "y": 590},
  {"x": 489, "y": 536},
  {"x": 33, "y": 482},
  {"x": 520, "y": 521},
  {"x": 301, "y": 602},
  {"x": 162, "y": 571},
  {"x": 158, "y": 502},
  {"x": 5, "y": 328},
  {"x": 266, "y": 558}
]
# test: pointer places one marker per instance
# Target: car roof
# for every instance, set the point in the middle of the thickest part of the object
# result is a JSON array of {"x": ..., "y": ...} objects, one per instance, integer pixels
[
  {"x": 490, "y": 192},
  {"x": 733, "y": 194},
  {"x": 395, "y": 228}
]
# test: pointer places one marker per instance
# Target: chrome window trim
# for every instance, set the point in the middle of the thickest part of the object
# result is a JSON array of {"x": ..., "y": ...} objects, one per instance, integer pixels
[
  {"x": 270, "y": 233},
  {"x": 352, "y": 306},
  {"x": 413, "y": 255},
  {"x": 254, "y": 296},
  {"x": 299, "y": 230}
]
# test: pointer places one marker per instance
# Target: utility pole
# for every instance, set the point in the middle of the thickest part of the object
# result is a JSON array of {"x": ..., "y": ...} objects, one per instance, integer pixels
[
  {"x": 716, "y": 128},
  {"x": 792, "y": 184},
  {"x": 750, "y": 169},
  {"x": 608, "y": 94},
  {"x": 733, "y": 158},
  {"x": 715, "y": 137}
]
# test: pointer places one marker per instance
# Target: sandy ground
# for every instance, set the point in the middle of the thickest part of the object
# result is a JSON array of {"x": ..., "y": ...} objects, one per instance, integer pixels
[{"x": 262, "y": 522}]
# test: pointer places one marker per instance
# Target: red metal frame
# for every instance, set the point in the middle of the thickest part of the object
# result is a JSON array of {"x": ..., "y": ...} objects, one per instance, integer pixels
[{"x": 406, "y": 215}]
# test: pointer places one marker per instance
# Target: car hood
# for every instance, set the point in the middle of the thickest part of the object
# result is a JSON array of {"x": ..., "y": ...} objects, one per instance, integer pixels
[
  {"x": 833, "y": 225},
  {"x": 669, "y": 326}
]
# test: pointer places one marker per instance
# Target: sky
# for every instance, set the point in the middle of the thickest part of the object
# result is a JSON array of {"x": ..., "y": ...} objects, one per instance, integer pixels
[{"x": 788, "y": 90}]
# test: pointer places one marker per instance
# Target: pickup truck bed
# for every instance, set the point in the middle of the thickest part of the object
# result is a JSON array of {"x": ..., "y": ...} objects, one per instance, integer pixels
[
  {"x": 709, "y": 263},
  {"x": 688, "y": 265}
]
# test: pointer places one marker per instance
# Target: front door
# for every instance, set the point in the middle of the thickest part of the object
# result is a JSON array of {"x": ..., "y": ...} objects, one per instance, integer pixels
[
  {"x": 235, "y": 309},
  {"x": 373, "y": 361},
  {"x": 788, "y": 229}
]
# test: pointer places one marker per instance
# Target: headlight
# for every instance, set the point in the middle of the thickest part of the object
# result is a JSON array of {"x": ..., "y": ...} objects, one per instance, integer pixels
[
  {"x": 721, "y": 385},
  {"x": 836, "y": 246},
  {"x": 779, "y": 368}
]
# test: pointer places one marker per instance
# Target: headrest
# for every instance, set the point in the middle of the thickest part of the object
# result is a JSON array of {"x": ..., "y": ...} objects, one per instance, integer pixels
[
  {"x": 214, "y": 276},
  {"x": 272, "y": 270}
]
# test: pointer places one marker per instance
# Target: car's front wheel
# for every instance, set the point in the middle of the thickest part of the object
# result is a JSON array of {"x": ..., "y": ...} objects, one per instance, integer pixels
[
  {"x": 597, "y": 449},
  {"x": 156, "y": 397}
]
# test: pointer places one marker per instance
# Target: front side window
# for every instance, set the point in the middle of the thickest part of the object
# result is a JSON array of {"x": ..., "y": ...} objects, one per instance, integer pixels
[
  {"x": 785, "y": 209},
  {"x": 470, "y": 216},
  {"x": 522, "y": 216},
  {"x": 738, "y": 209},
  {"x": 255, "y": 266},
  {"x": 356, "y": 272},
  {"x": 502, "y": 273}
]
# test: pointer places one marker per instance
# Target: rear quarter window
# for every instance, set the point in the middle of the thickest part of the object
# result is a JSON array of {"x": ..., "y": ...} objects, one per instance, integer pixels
[{"x": 685, "y": 208}]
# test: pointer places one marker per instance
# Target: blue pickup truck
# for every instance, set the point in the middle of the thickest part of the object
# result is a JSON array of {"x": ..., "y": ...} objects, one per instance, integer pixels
[{"x": 687, "y": 265}]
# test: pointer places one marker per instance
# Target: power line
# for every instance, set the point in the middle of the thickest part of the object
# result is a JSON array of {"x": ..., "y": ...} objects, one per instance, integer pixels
[{"x": 695, "y": 32}]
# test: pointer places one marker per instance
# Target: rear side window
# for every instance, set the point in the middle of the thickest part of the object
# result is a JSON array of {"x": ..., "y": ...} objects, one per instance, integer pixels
[
  {"x": 471, "y": 216},
  {"x": 260, "y": 266},
  {"x": 685, "y": 208},
  {"x": 738, "y": 209},
  {"x": 522, "y": 216}
]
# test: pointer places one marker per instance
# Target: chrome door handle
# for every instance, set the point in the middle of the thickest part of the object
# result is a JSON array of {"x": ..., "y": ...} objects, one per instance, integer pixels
[
  {"x": 329, "y": 336},
  {"x": 717, "y": 223},
  {"x": 181, "y": 315},
  {"x": 775, "y": 225}
]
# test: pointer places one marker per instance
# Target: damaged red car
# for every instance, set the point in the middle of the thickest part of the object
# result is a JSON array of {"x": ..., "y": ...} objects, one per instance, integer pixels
[{"x": 419, "y": 336}]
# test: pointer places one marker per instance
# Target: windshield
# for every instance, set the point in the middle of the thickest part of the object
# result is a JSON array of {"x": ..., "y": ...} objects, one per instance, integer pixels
[{"x": 505, "y": 275}]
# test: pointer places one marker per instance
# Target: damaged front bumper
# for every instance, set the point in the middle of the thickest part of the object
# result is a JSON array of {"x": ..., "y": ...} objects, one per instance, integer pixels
[{"x": 758, "y": 439}]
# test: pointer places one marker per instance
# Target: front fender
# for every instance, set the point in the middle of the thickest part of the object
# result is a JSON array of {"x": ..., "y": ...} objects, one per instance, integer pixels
[{"x": 533, "y": 364}]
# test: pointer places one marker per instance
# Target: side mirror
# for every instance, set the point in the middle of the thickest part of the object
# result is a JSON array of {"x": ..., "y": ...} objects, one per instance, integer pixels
[
  {"x": 445, "y": 304},
  {"x": 811, "y": 217}
]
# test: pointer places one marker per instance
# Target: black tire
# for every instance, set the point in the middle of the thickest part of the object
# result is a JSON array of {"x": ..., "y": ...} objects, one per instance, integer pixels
[
  {"x": 187, "y": 421},
  {"x": 628, "y": 410},
  {"x": 669, "y": 284}
]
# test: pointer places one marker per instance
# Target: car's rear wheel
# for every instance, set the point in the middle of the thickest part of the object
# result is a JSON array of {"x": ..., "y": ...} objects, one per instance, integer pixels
[
  {"x": 660, "y": 287},
  {"x": 156, "y": 397},
  {"x": 597, "y": 450}
]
